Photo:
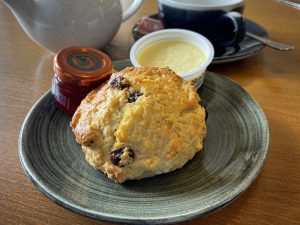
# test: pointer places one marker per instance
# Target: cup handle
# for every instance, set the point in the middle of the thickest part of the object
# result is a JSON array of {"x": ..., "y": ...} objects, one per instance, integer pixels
[
  {"x": 135, "y": 5},
  {"x": 239, "y": 29}
]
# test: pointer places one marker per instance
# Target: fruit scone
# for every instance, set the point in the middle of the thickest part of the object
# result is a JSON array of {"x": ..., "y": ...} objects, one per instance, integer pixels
[{"x": 140, "y": 123}]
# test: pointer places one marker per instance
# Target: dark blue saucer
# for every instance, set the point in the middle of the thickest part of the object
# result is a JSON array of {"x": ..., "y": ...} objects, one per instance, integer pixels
[{"x": 246, "y": 48}]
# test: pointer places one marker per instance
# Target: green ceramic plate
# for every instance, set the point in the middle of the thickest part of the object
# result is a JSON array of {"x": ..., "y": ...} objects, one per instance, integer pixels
[{"x": 234, "y": 152}]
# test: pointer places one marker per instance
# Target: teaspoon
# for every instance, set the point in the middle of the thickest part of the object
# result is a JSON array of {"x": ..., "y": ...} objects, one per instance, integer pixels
[{"x": 273, "y": 44}]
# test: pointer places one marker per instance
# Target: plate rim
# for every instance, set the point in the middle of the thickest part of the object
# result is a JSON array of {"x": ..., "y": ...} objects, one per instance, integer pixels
[{"x": 253, "y": 174}]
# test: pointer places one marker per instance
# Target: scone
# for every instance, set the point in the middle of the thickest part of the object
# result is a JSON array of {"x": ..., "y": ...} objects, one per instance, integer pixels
[{"x": 142, "y": 122}]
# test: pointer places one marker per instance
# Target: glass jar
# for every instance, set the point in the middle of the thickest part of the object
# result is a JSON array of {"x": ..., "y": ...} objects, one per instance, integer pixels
[{"x": 78, "y": 70}]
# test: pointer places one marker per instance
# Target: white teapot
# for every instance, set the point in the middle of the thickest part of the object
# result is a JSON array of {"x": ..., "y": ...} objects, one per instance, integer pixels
[{"x": 57, "y": 24}]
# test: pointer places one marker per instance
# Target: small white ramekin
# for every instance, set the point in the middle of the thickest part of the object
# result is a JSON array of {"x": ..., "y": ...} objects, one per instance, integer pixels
[{"x": 197, "y": 75}]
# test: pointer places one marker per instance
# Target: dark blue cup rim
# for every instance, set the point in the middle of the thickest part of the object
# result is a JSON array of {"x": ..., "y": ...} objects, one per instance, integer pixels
[{"x": 224, "y": 5}]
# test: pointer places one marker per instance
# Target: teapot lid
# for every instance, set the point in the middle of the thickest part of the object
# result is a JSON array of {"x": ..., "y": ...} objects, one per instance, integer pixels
[{"x": 82, "y": 66}]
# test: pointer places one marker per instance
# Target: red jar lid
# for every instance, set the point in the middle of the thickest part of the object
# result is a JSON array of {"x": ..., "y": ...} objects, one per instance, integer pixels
[{"x": 82, "y": 66}]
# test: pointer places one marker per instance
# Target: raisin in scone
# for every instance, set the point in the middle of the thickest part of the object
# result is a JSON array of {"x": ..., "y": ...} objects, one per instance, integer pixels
[{"x": 142, "y": 122}]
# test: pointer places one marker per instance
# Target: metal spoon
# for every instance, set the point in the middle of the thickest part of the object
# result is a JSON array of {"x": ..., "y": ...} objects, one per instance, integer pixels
[
  {"x": 294, "y": 4},
  {"x": 273, "y": 44}
]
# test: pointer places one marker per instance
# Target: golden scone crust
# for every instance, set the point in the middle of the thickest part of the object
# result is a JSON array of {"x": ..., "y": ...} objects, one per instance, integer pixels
[{"x": 142, "y": 122}]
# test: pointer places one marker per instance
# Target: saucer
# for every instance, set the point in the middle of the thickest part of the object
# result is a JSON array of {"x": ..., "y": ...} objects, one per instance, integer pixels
[{"x": 246, "y": 48}]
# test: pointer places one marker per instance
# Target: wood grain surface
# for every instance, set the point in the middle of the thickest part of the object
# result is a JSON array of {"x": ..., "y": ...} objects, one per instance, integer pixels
[{"x": 271, "y": 77}]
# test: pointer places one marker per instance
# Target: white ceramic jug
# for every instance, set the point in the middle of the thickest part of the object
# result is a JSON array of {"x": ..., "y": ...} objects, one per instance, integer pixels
[{"x": 57, "y": 24}]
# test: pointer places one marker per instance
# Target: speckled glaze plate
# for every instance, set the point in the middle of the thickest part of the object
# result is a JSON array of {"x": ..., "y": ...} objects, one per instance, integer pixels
[{"x": 234, "y": 152}]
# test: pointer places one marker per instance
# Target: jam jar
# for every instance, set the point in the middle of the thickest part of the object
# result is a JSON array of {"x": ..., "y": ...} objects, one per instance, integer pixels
[{"x": 78, "y": 70}]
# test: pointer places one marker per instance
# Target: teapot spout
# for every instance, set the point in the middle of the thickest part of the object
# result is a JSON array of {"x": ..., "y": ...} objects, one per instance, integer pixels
[
  {"x": 24, "y": 12},
  {"x": 13, "y": 3},
  {"x": 16, "y": 6},
  {"x": 9, "y": 3}
]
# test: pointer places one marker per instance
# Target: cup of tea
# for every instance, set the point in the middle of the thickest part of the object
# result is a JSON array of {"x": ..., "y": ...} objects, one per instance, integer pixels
[{"x": 220, "y": 21}]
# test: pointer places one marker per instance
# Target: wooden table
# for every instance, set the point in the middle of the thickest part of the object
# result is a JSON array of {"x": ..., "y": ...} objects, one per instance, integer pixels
[{"x": 271, "y": 77}]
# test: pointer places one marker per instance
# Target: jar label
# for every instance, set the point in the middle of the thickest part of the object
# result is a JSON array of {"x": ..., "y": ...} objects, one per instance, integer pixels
[{"x": 62, "y": 99}]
